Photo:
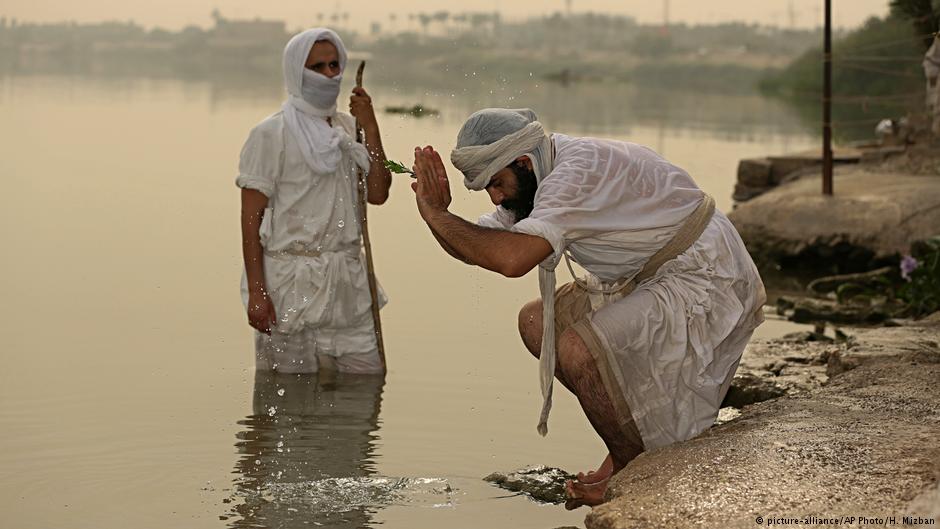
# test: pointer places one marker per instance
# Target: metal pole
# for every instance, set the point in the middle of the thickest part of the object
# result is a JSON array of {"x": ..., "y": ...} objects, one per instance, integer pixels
[{"x": 827, "y": 102}]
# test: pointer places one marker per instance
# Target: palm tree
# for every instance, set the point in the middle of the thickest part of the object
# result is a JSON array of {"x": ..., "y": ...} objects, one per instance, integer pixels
[{"x": 425, "y": 21}]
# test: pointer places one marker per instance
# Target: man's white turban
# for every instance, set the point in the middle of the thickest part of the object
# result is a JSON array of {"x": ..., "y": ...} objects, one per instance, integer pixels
[{"x": 493, "y": 137}]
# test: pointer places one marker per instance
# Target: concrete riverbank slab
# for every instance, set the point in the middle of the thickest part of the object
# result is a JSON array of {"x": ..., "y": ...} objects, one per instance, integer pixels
[{"x": 881, "y": 213}]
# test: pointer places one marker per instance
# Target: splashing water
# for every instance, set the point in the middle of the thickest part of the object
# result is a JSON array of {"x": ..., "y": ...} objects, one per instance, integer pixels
[{"x": 338, "y": 495}]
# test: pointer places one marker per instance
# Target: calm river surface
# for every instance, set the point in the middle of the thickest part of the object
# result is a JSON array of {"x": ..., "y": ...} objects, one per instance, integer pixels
[{"x": 128, "y": 397}]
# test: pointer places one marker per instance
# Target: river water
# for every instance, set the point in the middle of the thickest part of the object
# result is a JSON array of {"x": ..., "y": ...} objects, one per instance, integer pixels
[{"x": 128, "y": 398}]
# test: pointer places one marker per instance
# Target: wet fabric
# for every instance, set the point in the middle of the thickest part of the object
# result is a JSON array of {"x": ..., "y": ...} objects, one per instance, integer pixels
[
  {"x": 313, "y": 264},
  {"x": 308, "y": 168},
  {"x": 673, "y": 341},
  {"x": 573, "y": 312},
  {"x": 308, "y": 350}
]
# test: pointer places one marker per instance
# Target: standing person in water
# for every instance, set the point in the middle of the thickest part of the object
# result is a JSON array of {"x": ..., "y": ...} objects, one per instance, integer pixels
[
  {"x": 932, "y": 71},
  {"x": 305, "y": 286},
  {"x": 650, "y": 340}
]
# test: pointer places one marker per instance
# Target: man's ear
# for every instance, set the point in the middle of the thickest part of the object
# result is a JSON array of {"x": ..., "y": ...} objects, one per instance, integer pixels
[{"x": 525, "y": 162}]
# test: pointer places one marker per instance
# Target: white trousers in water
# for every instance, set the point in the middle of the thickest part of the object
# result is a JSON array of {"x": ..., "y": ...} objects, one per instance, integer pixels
[{"x": 298, "y": 352}]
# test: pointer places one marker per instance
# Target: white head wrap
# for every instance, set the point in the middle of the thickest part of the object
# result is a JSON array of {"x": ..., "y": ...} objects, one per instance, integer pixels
[
  {"x": 932, "y": 59},
  {"x": 322, "y": 145},
  {"x": 489, "y": 141},
  {"x": 493, "y": 138}
]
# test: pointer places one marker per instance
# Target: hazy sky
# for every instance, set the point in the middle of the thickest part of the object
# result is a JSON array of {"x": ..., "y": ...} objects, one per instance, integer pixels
[{"x": 174, "y": 14}]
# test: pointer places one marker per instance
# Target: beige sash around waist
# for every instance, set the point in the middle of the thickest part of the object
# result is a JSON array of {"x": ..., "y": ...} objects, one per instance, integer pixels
[{"x": 688, "y": 233}]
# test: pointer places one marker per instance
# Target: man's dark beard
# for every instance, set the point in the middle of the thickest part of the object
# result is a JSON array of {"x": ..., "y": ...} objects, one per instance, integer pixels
[{"x": 524, "y": 200}]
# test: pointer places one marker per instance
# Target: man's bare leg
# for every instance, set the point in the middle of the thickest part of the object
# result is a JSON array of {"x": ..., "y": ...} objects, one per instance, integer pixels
[
  {"x": 577, "y": 372},
  {"x": 578, "y": 367},
  {"x": 530, "y": 329}
]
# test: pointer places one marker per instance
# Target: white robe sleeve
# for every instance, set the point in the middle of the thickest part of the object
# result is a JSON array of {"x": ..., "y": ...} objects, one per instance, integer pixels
[
  {"x": 260, "y": 160},
  {"x": 563, "y": 197},
  {"x": 599, "y": 189},
  {"x": 499, "y": 219}
]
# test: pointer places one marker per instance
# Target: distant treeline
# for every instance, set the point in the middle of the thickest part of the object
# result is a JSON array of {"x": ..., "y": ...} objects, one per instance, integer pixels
[{"x": 563, "y": 48}]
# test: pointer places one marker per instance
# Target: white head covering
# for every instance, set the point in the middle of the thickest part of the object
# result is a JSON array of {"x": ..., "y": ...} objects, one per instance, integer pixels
[
  {"x": 932, "y": 59},
  {"x": 322, "y": 145},
  {"x": 493, "y": 137},
  {"x": 489, "y": 141}
]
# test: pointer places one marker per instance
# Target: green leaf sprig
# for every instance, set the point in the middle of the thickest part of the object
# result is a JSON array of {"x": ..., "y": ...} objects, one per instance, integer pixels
[{"x": 398, "y": 168}]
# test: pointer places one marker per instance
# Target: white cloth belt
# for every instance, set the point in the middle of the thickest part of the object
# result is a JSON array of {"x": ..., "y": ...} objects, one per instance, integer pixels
[
  {"x": 287, "y": 254},
  {"x": 316, "y": 289}
]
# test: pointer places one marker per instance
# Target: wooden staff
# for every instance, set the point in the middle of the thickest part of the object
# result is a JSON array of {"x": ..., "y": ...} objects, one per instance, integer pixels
[{"x": 364, "y": 222}]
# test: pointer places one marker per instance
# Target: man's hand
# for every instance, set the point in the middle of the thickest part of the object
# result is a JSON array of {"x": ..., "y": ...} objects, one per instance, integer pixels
[
  {"x": 360, "y": 106},
  {"x": 508, "y": 253},
  {"x": 261, "y": 313},
  {"x": 432, "y": 189}
]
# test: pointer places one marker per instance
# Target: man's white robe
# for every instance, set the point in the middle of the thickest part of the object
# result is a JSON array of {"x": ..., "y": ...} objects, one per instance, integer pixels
[{"x": 674, "y": 343}]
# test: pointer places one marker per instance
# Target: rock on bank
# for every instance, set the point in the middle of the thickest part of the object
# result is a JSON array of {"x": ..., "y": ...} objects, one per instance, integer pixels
[{"x": 865, "y": 444}]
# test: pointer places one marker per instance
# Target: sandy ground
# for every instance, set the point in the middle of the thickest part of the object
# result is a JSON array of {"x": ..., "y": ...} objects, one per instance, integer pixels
[{"x": 857, "y": 435}]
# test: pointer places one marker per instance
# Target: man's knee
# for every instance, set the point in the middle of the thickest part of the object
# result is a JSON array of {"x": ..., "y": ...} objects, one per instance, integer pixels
[
  {"x": 573, "y": 356},
  {"x": 530, "y": 326}
]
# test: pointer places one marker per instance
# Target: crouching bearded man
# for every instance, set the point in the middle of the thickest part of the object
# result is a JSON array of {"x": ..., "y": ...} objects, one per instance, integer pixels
[{"x": 650, "y": 339}]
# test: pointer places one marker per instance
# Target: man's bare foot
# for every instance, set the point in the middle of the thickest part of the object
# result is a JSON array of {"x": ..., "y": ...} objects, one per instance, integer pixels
[
  {"x": 596, "y": 476},
  {"x": 579, "y": 494}
]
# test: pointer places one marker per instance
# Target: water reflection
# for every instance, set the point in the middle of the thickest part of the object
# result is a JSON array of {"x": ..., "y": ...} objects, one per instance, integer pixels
[
  {"x": 735, "y": 117},
  {"x": 309, "y": 439}
]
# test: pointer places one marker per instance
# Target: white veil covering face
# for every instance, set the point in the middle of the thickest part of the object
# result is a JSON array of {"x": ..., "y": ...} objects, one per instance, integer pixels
[
  {"x": 489, "y": 141},
  {"x": 322, "y": 145}
]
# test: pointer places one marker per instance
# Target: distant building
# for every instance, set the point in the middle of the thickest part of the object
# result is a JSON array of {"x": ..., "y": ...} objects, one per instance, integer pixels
[{"x": 243, "y": 35}]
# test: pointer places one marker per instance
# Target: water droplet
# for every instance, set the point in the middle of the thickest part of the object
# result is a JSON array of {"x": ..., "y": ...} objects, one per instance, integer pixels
[{"x": 281, "y": 392}]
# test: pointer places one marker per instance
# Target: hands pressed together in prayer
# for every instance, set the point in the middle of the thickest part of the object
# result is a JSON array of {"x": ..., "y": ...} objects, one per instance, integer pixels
[{"x": 432, "y": 188}]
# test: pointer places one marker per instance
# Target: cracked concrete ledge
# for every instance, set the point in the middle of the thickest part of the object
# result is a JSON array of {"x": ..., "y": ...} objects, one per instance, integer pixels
[
  {"x": 880, "y": 212},
  {"x": 863, "y": 440}
]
